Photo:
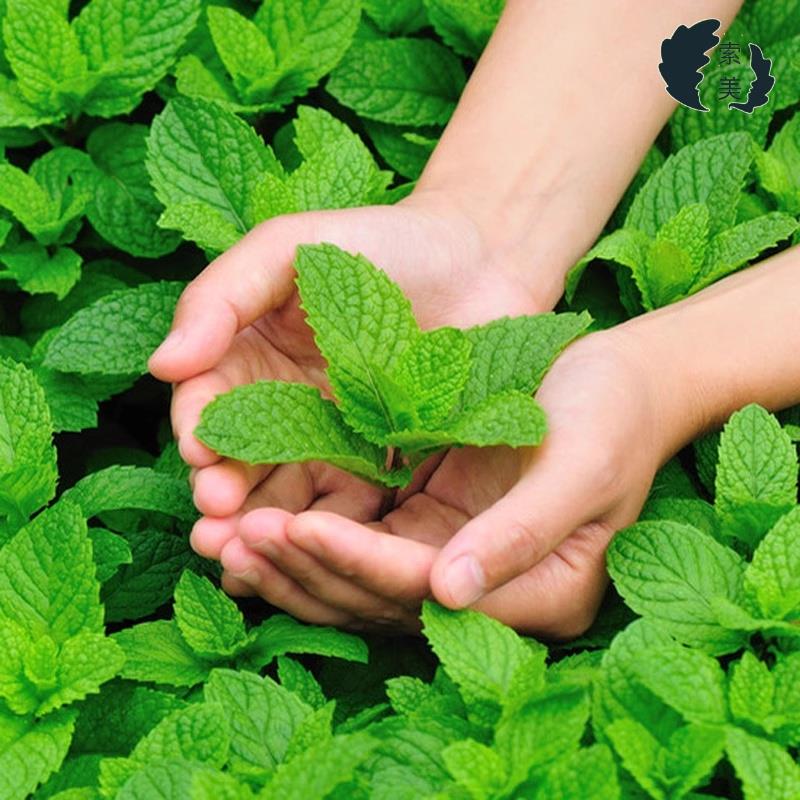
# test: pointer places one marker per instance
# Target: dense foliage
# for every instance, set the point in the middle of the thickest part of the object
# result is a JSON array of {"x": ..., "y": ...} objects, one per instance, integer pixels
[{"x": 142, "y": 137}]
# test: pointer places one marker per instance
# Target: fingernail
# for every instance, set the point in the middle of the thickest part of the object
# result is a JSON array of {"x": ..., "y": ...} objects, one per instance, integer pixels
[
  {"x": 171, "y": 343},
  {"x": 464, "y": 580}
]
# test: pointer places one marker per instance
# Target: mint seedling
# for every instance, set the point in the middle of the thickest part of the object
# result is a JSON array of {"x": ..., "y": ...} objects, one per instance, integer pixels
[{"x": 401, "y": 393}]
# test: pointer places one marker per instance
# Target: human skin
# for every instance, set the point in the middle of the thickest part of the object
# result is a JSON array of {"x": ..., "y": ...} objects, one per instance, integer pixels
[{"x": 522, "y": 182}]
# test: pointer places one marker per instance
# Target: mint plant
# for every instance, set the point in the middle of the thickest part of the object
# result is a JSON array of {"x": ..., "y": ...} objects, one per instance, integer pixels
[
  {"x": 402, "y": 393},
  {"x": 138, "y": 140}
]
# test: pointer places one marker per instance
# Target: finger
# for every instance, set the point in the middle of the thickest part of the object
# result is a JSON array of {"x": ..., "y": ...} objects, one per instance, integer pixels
[
  {"x": 265, "y": 532},
  {"x": 559, "y": 598},
  {"x": 235, "y": 587},
  {"x": 379, "y": 562},
  {"x": 209, "y": 535},
  {"x": 343, "y": 494},
  {"x": 556, "y": 495},
  {"x": 288, "y": 486},
  {"x": 188, "y": 401},
  {"x": 222, "y": 489},
  {"x": 244, "y": 283},
  {"x": 279, "y": 590}
]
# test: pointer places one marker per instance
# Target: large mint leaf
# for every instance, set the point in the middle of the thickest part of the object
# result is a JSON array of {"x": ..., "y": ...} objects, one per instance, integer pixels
[
  {"x": 362, "y": 322},
  {"x": 402, "y": 81},
  {"x": 465, "y": 26},
  {"x": 27, "y": 456},
  {"x": 38, "y": 272},
  {"x": 711, "y": 171},
  {"x": 47, "y": 576},
  {"x": 756, "y": 480},
  {"x": 124, "y": 209},
  {"x": 31, "y": 751},
  {"x": 131, "y": 44},
  {"x": 513, "y": 353},
  {"x": 117, "y": 334},
  {"x": 209, "y": 621},
  {"x": 766, "y": 770},
  {"x": 262, "y": 715},
  {"x": 397, "y": 17},
  {"x": 199, "y": 152},
  {"x": 773, "y": 576},
  {"x": 43, "y": 51},
  {"x": 669, "y": 572},
  {"x": 273, "y": 423},
  {"x": 590, "y": 772}
]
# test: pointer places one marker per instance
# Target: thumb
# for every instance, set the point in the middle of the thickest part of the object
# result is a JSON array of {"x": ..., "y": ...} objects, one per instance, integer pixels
[
  {"x": 553, "y": 498},
  {"x": 244, "y": 283}
]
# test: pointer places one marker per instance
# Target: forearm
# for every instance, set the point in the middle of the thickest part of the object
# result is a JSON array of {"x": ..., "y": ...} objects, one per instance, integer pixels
[
  {"x": 735, "y": 343},
  {"x": 555, "y": 120}
]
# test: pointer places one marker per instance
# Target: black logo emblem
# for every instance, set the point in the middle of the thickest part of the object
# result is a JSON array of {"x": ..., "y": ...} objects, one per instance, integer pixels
[{"x": 683, "y": 57}]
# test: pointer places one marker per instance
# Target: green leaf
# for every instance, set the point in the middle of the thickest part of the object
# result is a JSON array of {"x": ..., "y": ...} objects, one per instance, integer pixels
[
  {"x": 402, "y": 81},
  {"x": 773, "y": 576},
  {"x": 47, "y": 576},
  {"x": 477, "y": 768},
  {"x": 408, "y": 158},
  {"x": 131, "y": 45},
  {"x": 733, "y": 248},
  {"x": 120, "y": 487},
  {"x": 590, "y": 772},
  {"x": 43, "y": 52},
  {"x": 669, "y": 572},
  {"x": 397, "y": 17},
  {"x": 480, "y": 654},
  {"x": 27, "y": 456},
  {"x": 513, "y": 353},
  {"x": 38, "y": 272},
  {"x": 209, "y": 621},
  {"x": 711, "y": 172},
  {"x": 110, "y": 552},
  {"x": 124, "y": 209},
  {"x": 201, "y": 224},
  {"x": 118, "y": 333},
  {"x": 362, "y": 322},
  {"x": 766, "y": 770},
  {"x": 779, "y": 167},
  {"x": 281, "y": 634},
  {"x": 756, "y": 480},
  {"x": 298, "y": 680},
  {"x": 465, "y": 26},
  {"x": 271, "y": 422},
  {"x": 200, "y": 153},
  {"x": 751, "y": 691},
  {"x": 320, "y": 769},
  {"x": 156, "y": 652},
  {"x": 262, "y": 715},
  {"x": 31, "y": 751}
]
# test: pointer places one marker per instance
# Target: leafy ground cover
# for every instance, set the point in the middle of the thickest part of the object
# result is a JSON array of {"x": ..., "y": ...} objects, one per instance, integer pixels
[{"x": 142, "y": 138}]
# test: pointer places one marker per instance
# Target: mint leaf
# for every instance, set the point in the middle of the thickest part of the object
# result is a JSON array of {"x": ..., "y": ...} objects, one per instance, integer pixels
[
  {"x": 38, "y": 272},
  {"x": 200, "y": 153},
  {"x": 756, "y": 480},
  {"x": 281, "y": 634},
  {"x": 43, "y": 52},
  {"x": 202, "y": 224},
  {"x": 464, "y": 26},
  {"x": 362, "y": 322},
  {"x": 766, "y": 770},
  {"x": 773, "y": 576},
  {"x": 589, "y": 772},
  {"x": 110, "y": 552},
  {"x": 272, "y": 423},
  {"x": 124, "y": 209},
  {"x": 31, "y": 751},
  {"x": 668, "y": 572},
  {"x": 711, "y": 172},
  {"x": 397, "y": 17},
  {"x": 262, "y": 715},
  {"x": 131, "y": 46},
  {"x": 476, "y": 768},
  {"x": 27, "y": 456},
  {"x": 751, "y": 691},
  {"x": 513, "y": 353},
  {"x": 156, "y": 652},
  {"x": 407, "y": 158},
  {"x": 402, "y": 81},
  {"x": 209, "y": 621},
  {"x": 116, "y": 334}
]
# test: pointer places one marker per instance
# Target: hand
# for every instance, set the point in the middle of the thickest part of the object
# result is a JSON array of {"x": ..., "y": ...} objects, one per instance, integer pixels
[
  {"x": 239, "y": 322},
  {"x": 520, "y": 534}
]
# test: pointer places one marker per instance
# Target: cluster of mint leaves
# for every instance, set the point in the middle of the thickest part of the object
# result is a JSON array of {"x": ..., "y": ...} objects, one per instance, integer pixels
[
  {"x": 402, "y": 393},
  {"x": 139, "y": 139}
]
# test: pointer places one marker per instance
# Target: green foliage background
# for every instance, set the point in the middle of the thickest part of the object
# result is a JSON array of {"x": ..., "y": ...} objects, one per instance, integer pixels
[{"x": 141, "y": 138}]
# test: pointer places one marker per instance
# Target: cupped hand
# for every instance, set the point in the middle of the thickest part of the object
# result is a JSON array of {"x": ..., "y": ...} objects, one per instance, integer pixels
[
  {"x": 520, "y": 534},
  {"x": 240, "y": 322}
]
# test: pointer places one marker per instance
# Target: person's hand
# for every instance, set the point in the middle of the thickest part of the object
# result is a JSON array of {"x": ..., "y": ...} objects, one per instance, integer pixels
[
  {"x": 240, "y": 322},
  {"x": 520, "y": 534}
]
